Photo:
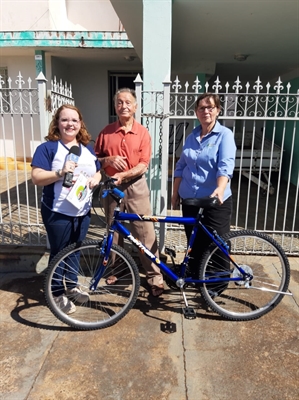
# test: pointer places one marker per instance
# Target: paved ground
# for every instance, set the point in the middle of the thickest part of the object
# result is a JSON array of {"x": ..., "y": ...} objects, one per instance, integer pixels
[{"x": 153, "y": 353}]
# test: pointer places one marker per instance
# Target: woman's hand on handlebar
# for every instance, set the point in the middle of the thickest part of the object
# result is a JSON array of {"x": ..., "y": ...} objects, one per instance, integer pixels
[{"x": 219, "y": 193}]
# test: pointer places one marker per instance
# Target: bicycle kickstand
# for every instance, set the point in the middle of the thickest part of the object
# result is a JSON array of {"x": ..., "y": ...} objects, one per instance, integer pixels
[{"x": 188, "y": 312}]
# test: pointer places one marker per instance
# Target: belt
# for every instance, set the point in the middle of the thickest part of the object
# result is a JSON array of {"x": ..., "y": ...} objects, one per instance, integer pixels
[
  {"x": 132, "y": 180},
  {"x": 129, "y": 180}
]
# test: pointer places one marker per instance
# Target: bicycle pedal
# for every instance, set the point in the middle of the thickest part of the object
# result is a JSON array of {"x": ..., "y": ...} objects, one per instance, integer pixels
[
  {"x": 168, "y": 327},
  {"x": 189, "y": 313}
]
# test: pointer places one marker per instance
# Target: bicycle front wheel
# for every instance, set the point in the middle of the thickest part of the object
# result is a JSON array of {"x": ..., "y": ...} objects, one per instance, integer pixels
[
  {"x": 68, "y": 282},
  {"x": 257, "y": 254}
]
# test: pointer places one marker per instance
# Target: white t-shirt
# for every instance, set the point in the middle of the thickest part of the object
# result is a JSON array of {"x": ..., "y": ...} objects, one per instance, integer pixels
[{"x": 51, "y": 156}]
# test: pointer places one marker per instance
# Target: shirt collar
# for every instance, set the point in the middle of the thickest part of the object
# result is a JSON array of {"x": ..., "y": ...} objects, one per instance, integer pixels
[
  {"x": 133, "y": 129},
  {"x": 216, "y": 129}
]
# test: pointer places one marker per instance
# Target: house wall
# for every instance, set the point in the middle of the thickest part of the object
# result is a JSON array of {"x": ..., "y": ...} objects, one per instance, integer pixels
[
  {"x": 16, "y": 64},
  {"x": 89, "y": 82},
  {"x": 90, "y": 86},
  {"x": 90, "y": 90},
  {"x": 24, "y": 15},
  {"x": 60, "y": 15},
  {"x": 93, "y": 15}
]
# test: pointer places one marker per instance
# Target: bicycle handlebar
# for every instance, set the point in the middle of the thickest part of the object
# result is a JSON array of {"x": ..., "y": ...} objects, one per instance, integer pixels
[
  {"x": 111, "y": 189},
  {"x": 203, "y": 202},
  {"x": 118, "y": 193}
]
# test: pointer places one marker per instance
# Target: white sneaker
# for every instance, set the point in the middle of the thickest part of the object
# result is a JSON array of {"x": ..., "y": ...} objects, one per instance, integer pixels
[
  {"x": 77, "y": 295},
  {"x": 65, "y": 304}
]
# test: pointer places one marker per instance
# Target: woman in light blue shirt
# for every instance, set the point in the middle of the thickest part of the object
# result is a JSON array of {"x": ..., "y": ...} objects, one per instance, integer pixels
[{"x": 205, "y": 168}]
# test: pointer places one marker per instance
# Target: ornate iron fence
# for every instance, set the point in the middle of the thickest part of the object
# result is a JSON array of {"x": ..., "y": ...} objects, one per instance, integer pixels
[{"x": 264, "y": 120}]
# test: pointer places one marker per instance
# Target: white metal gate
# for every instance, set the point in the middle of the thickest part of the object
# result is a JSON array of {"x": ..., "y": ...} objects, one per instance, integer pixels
[
  {"x": 264, "y": 120},
  {"x": 25, "y": 113}
]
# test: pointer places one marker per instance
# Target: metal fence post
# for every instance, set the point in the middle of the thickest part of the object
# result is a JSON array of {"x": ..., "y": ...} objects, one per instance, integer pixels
[
  {"x": 138, "y": 87},
  {"x": 43, "y": 113},
  {"x": 42, "y": 98},
  {"x": 164, "y": 161}
]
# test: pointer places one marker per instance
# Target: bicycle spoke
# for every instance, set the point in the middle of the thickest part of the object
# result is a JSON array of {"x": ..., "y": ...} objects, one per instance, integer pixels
[
  {"x": 105, "y": 305},
  {"x": 259, "y": 256}
]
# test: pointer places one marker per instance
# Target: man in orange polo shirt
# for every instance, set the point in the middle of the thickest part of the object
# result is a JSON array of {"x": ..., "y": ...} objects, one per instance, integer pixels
[{"x": 124, "y": 150}]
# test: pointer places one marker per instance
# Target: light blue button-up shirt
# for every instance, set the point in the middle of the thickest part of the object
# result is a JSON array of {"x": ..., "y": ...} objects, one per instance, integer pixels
[{"x": 203, "y": 161}]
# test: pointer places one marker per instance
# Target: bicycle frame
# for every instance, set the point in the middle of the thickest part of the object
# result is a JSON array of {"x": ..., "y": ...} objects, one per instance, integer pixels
[
  {"x": 181, "y": 280},
  {"x": 105, "y": 300}
]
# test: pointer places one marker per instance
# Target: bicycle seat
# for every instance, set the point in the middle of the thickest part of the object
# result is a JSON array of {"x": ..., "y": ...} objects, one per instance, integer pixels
[{"x": 202, "y": 202}]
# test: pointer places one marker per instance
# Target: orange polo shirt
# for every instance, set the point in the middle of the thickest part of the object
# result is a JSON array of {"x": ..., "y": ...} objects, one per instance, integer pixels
[{"x": 135, "y": 145}]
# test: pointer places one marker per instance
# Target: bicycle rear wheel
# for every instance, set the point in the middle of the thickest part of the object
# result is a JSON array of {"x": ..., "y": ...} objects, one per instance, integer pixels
[
  {"x": 257, "y": 254},
  {"x": 75, "y": 266}
]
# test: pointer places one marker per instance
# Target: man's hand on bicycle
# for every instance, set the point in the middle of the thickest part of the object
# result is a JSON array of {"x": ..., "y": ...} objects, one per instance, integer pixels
[
  {"x": 118, "y": 178},
  {"x": 108, "y": 183}
]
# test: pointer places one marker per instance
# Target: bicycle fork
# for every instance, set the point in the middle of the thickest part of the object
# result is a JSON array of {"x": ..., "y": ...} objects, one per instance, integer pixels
[{"x": 103, "y": 261}]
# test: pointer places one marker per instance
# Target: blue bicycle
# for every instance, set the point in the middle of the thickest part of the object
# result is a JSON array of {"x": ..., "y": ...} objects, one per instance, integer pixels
[{"x": 242, "y": 275}]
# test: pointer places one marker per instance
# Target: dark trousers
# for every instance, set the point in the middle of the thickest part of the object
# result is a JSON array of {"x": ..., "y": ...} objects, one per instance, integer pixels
[
  {"x": 218, "y": 219},
  {"x": 63, "y": 230}
]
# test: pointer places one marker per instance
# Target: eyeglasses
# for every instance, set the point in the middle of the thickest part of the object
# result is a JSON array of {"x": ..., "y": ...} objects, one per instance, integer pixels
[
  {"x": 209, "y": 109},
  {"x": 70, "y": 121}
]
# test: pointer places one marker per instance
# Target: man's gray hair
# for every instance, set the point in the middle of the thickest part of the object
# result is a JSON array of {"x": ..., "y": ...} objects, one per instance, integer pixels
[{"x": 125, "y": 90}]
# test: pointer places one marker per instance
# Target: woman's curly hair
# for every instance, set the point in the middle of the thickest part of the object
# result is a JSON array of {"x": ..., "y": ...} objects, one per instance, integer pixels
[{"x": 53, "y": 135}]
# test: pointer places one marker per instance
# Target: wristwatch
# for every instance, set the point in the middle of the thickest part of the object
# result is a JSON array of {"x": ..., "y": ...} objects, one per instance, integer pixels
[{"x": 58, "y": 173}]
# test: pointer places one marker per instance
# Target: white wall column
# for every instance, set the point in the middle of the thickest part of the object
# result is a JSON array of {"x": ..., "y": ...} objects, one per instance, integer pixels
[{"x": 157, "y": 21}]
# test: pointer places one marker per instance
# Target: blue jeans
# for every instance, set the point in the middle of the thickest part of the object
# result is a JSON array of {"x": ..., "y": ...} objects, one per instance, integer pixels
[{"x": 62, "y": 231}]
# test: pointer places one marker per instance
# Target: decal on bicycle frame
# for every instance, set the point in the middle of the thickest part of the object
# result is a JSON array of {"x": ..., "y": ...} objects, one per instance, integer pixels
[
  {"x": 142, "y": 248},
  {"x": 150, "y": 218}
]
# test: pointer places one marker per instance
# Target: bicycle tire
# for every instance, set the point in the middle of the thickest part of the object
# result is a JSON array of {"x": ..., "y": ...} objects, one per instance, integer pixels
[
  {"x": 259, "y": 255},
  {"x": 107, "y": 304}
]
